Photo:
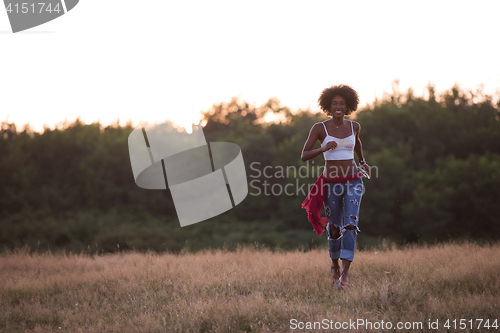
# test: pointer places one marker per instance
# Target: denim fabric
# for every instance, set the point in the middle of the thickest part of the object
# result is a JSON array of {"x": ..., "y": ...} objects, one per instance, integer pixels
[{"x": 342, "y": 201}]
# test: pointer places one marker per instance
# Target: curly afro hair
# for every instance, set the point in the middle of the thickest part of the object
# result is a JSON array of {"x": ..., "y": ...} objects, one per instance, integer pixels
[{"x": 350, "y": 95}]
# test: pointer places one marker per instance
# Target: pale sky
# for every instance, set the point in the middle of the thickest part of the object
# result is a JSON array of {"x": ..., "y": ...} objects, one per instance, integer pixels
[{"x": 150, "y": 59}]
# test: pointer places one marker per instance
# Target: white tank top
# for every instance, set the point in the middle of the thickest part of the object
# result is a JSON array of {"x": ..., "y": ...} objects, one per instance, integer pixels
[{"x": 345, "y": 146}]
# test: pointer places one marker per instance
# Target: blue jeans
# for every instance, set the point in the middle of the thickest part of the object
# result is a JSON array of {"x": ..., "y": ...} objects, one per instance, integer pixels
[{"x": 341, "y": 204}]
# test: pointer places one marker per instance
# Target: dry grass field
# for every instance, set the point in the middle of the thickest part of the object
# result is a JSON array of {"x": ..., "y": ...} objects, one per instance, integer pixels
[{"x": 251, "y": 291}]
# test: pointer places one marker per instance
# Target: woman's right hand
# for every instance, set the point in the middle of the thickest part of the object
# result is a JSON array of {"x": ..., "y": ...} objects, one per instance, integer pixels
[{"x": 329, "y": 145}]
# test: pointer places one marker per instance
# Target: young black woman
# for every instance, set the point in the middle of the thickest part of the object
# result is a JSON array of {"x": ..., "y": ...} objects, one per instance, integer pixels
[{"x": 340, "y": 188}]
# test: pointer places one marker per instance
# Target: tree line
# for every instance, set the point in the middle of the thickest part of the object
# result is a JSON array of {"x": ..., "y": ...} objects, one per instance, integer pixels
[{"x": 437, "y": 162}]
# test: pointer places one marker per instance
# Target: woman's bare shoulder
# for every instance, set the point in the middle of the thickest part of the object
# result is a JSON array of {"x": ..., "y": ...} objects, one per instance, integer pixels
[
  {"x": 356, "y": 126},
  {"x": 317, "y": 126}
]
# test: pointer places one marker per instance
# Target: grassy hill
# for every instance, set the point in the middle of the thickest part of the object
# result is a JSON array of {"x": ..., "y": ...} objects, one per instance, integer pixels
[{"x": 250, "y": 290}]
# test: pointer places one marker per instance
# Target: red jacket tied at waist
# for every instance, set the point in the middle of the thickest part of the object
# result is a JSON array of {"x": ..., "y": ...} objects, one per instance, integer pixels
[{"x": 314, "y": 200}]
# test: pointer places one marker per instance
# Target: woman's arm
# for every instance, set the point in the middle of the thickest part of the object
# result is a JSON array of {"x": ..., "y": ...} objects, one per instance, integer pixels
[
  {"x": 314, "y": 135},
  {"x": 358, "y": 148}
]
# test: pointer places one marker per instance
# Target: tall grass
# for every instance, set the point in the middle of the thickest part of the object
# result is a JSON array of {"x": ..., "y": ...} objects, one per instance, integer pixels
[{"x": 248, "y": 290}]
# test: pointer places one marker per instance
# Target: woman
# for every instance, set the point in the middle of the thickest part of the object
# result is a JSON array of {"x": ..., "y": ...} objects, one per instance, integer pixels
[{"x": 340, "y": 187}]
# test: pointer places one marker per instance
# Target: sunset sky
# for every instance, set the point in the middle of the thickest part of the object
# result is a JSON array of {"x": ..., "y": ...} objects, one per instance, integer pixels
[{"x": 151, "y": 60}]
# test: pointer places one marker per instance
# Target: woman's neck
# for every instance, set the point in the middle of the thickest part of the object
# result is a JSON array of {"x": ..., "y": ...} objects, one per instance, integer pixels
[{"x": 337, "y": 121}]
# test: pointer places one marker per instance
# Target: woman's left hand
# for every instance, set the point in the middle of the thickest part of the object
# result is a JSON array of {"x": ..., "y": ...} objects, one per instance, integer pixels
[{"x": 366, "y": 167}]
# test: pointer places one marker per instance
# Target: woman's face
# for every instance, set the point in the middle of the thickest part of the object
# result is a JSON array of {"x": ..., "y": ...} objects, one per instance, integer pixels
[{"x": 338, "y": 107}]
